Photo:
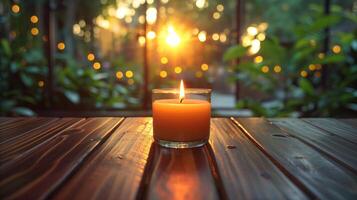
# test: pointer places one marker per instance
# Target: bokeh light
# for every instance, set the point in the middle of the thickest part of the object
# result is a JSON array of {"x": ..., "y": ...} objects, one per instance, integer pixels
[
  {"x": 204, "y": 67},
  {"x": 163, "y": 74},
  {"x": 129, "y": 74},
  {"x": 34, "y": 19},
  {"x": 178, "y": 70},
  {"x": 61, "y": 46},
  {"x": 96, "y": 65}
]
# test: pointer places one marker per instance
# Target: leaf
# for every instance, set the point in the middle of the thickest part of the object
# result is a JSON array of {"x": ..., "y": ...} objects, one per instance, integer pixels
[
  {"x": 331, "y": 59},
  {"x": 6, "y": 46},
  {"x": 26, "y": 79},
  {"x": 306, "y": 86},
  {"x": 23, "y": 111},
  {"x": 234, "y": 52},
  {"x": 72, "y": 96}
]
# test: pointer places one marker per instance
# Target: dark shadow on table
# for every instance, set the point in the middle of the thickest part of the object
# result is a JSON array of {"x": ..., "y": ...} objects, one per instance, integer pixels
[{"x": 181, "y": 174}]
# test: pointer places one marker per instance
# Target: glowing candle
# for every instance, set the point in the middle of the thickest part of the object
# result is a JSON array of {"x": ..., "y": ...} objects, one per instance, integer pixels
[{"x": 182, "y": 122}]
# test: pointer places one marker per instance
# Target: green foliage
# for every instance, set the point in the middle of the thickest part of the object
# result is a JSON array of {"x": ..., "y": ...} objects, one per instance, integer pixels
[{"x": 298, "y": 89}]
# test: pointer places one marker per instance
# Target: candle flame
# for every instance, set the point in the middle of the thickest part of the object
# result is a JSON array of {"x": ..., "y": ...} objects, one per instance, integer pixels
[{"x": 182, "y": 91}]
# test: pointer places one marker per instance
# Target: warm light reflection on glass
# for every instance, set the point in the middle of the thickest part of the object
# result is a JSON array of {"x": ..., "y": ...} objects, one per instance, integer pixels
[{"x": 172, "y": 38}]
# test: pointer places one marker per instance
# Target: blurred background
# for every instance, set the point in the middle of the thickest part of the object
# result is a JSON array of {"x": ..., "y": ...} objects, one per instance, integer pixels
[{"x": 276, "y": 58}]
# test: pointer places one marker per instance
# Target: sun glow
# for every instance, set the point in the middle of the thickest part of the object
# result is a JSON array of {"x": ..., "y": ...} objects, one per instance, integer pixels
[{"x": 172, "y": 38}]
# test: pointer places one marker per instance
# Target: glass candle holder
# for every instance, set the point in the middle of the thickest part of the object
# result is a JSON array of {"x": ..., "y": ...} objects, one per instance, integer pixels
[{"x": 181, "y": 123}]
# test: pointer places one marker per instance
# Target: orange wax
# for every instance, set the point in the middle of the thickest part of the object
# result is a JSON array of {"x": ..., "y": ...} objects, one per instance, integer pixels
[{"x": 181, "y": 122}]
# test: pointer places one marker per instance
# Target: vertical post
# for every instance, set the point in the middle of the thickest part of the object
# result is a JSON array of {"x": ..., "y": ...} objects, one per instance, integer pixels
[
  {"x": 50, "y": 48},
  {"x": 146, "y": 66},
  {"x": 240, "y": 11},
  {"x": 326, "y": 44}
]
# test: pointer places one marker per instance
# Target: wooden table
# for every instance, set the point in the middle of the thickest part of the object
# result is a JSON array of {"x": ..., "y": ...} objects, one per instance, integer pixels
[{"x": 114, "y": 158}]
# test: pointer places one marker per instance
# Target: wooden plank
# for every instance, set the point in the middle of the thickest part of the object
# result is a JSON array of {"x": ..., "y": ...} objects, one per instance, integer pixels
[
  {"x": 180, "y": 174},
  {"x": 8, "y": 120},
  {"x": 245, "y": 171},
  {"x": 17, "y": 129},
  {"x": 350, "y": 121},
  {"x": 335, "y": 127},
  {"x": 323, "y": 177},
  {"x": 37, "y": 174},
  {"x": 16, "y": 146},
  {"x": 343, "y": 151},
  {"x": 115, "y": 170}
]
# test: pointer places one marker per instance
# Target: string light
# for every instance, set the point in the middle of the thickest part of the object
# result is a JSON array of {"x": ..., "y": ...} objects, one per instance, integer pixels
[
  {"x": 129, "y": 74},
  {"x": 265, "y": 69},
  {"x": 131, "y": 81},
  {"x": 119, "y": 75},
  {"x": 336, "y": 49},
  {"x": 204, "y": 67},
  {"x": 261, "y": 36},
  {"x": 222, "y": 37},
  {"x": 141, "y": 40},
  {"x": 41, "y": 83},
  {"x": 258, "y": 59},
  {"x": 15, "y": 8},
  {"x": 151, "y": 35},
  {"x": 151, "y": 15},
  {"x": 303, "y": 73},
  {"x": 255, "y": 47},
  {"x": 312, "y": 67},
  {"x": 90, "y": 57},
  {"x": 215, "y": 36},
  {"x": 220, "y": 7},
  {"x": 61, "y": 46},
  {"x": 178, "y": 70},
  {"x": 96, "y": 65},
  {"x": 164, "y": 60},
  {"x": 277, "y": 68},
  {"x": 252, "y": 30},
  {"x": 202, "y": 36},
  {"x": 321, "y": 55},
  {"x": 163, "y": 74},
  {"x": 200, "y": 3},
  {"x": 216, "y": 15},
  {"x": 34, "y": 31},
  {"x": 34, "y": 19}
]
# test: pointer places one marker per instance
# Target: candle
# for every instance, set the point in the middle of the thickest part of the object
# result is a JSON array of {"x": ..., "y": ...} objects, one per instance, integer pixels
[{"x": 184, "y": 121}]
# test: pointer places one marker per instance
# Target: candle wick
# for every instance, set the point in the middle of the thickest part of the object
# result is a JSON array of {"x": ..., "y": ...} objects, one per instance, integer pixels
[{"x": 181, "y": 100}]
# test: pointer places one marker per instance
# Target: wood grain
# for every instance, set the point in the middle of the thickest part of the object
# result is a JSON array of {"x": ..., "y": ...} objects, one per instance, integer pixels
[
  {"x": 39, "y": 173},
  {"x": 17, "y": 129},
  {"x": 351, "y": 122},
  {"x": 180, "y": 174},
  {"x": 245, "y": 171},
  {"x": 115, "y": 169},
  {"x": 23, "y": 143},
  {"x": 335, "y": 127},
  {"x": 319, "y": 175},
  {"x": 345, "y": 152}
]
